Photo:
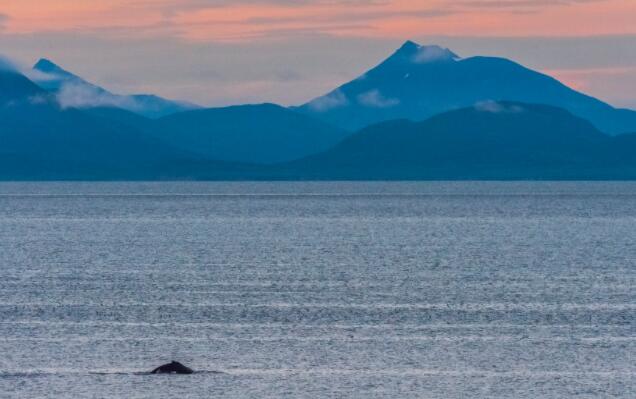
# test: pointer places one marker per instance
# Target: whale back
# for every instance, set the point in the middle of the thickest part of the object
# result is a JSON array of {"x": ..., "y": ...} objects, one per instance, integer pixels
[{"x": 172, "y": 368}]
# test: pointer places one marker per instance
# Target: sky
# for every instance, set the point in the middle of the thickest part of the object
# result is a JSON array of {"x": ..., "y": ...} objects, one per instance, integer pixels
[{"x": 222, "y": 52}]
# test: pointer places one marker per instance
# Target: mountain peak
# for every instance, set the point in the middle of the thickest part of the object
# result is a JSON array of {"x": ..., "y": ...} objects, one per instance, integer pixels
[
  {"x": 49, "y": 67},
  {"x": 46, "y": 65},
  {"x": 414, "y": 52},
  {"x": 52, "y": 77},
  {"x": 409, "y": 45}
]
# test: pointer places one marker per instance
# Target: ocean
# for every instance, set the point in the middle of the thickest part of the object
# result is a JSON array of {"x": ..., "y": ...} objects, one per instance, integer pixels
[{"x": 318, "y": 290}]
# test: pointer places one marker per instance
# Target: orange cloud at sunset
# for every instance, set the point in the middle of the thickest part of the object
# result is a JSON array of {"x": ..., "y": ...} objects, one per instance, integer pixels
[{"x": 219, "y": 20}]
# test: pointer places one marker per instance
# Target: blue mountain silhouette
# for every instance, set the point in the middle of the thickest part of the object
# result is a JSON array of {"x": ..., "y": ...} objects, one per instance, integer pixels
[
  {"x": 40, "y": 140},
  {"x": 492, "y": 140},
  {"x": 417, "y": 82},
  {"x": 43, "y": 138},
  {"x": 263, "y": 133}
]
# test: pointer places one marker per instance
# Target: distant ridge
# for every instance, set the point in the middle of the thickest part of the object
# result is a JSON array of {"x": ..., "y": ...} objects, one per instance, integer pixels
[
  {"x": 492, "y": 140},
  {"x": 417, "y": 82},
  {"x": 262, "y": 133}
]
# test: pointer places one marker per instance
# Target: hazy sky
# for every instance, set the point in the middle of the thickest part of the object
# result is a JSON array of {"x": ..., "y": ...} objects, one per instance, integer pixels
[{"x": 219, "y": 52}]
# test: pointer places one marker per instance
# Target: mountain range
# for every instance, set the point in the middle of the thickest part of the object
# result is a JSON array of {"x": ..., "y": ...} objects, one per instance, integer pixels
[
  {"x": 41, "y": 140},
  {"x": 424, "y": 113}
]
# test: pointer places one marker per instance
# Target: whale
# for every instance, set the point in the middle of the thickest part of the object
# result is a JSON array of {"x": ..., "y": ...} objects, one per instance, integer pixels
[{"x": 172, "y": 368}]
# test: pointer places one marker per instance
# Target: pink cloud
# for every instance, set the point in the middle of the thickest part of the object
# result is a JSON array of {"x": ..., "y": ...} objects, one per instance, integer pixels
[{"x": 223, "y": 20}]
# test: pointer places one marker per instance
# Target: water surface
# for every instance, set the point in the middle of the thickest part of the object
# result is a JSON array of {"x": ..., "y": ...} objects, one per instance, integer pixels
[{"x": 318, "y": 290}]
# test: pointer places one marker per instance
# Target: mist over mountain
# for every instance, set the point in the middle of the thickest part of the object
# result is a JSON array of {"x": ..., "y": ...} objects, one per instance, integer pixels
[
  {"x": 417, "y": 82},
  {"x": 73, "y": 91},
  {"x": 41, "y": 140}
]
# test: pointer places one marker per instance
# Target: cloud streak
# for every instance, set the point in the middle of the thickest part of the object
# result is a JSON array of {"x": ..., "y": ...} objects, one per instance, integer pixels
[
  {"x": 82, "y": 96},
  {"x": 335, "y": 99},
  {"x": 493, "y": 107},
  {"x": 223, "y": 20},
  {"x": 375, "y": 99}
]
